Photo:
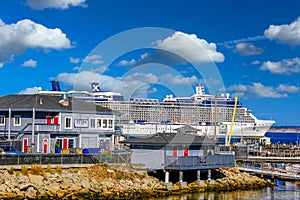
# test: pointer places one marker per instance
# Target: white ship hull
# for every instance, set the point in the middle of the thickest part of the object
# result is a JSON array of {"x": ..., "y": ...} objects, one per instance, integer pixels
[{"x": 239, "y": 130}]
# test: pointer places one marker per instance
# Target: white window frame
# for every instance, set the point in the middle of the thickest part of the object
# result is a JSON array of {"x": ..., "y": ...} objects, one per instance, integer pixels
[
  {"x": 92, "y": 123},
  {"x": 105, "y": 123},
  {"x": 71, "y": 122},
  {"x": 110, "y": 123},
  {"x": 20, "y": 120},
  {"x": 2, "y": 117},
  {"x": 95, "y": 123}
]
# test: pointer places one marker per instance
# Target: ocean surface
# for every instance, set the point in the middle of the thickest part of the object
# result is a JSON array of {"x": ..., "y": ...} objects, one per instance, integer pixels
[
  {"x": 284, "y": 138},
  {"x": 284, "y": 191}
]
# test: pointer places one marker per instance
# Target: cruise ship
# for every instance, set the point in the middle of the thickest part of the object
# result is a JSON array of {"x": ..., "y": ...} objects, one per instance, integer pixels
[{"x": 210, "y": 115}]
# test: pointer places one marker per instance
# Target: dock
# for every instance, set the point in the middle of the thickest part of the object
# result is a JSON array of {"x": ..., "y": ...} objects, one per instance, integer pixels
[
  {"x": 269, "y": 162},
  {"x": 273, "y": 159}
]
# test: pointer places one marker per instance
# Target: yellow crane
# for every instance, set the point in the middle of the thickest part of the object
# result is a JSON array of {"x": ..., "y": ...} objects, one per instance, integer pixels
[{"x": 232, "y": 121}]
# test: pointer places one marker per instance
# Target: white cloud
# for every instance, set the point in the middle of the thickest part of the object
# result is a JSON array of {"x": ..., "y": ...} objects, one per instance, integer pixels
[
  {"x": 248, "y": 39},
  {"x": 191, "y": 47},
  {"x": 74, "y": 60},
  {"x": 179, "y": 80},
  {"x": 26, "y": 34},
  {"x": 256, "y": 90},
  {"x": 286, "y": 66},
  {"x": 286, "y": 33},
  {"x": 30, "y": 63},
  {"x": 1, "y": 23},
  {"x": 30, "y": 90},
  {"x": 256, "y": 62},
  {"x": 144, "y": 58},
  {"x": 179, "y": 48},
  {"x": 288, "y": 88},
  {"x": 127, "y": 63},
  {"x": 58, "y": 4},
  {"x": 246, "y": 49},
  {"x": 136, "y": 83},
  {"x": 94, "y": 59}
]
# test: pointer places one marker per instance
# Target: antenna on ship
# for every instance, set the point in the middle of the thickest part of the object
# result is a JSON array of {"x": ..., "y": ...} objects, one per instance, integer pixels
[{"x": 95, "y": 87}]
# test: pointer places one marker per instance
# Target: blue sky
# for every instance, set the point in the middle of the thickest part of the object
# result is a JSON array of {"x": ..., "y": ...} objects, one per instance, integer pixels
[{"x": 248, "y": 48}]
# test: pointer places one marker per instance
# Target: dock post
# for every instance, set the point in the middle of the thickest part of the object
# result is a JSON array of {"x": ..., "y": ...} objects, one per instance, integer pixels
[
  {"x": 209, "y": 177},
  {"x": 198, "y": 174},
  {"x": 167, "y": 177},
  {"x": 180, "y": 176}
]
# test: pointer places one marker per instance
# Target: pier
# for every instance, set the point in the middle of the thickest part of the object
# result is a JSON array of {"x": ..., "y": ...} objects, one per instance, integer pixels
[
  {"x": 273, "y": 161},
  {"x": 275, "y": 173}
]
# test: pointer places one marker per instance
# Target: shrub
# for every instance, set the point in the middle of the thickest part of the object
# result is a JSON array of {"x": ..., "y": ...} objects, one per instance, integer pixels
[
  {"x": 37, "y": 170},
  {"x": 49, "y": 169},
  {"x": 11, "y": 170},
  {"x": 24, "y": 170}
]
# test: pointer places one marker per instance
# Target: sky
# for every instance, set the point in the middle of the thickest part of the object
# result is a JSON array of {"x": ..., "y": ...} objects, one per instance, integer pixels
[{"x": 249, "y": 49}]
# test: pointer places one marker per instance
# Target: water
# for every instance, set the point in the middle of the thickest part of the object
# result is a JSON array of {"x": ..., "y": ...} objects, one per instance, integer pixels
[
  {"x": 284, "y": 191},
  {"x": 284, "y": 138}
]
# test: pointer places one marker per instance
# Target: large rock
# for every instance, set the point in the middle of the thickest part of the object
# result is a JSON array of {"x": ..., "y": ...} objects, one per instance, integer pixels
[
  {"x": 31, "y": 193},
  {"x": 85, "y": 182},
  {"x": 53, "y": 187},
  {"x": 36, "y": 179}
]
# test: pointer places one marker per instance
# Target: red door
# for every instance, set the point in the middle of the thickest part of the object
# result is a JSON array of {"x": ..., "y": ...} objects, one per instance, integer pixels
[
  {"x": 186, "y": 152},
  {"x": 65, "y": 143},
  {"x": 25, "y": 144},
  {"x": 45, "y": 146},
  {"x": 175, "y": 152},
  {"x": 48, "y": 120},
  {"x": 55, "y": 120}
]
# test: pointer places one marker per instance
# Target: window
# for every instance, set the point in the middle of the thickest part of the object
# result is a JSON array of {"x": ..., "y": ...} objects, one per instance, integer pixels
[
  {"x": 17, "y": 120},
  {"x": 2, "y": 120},
  {"x": 95, "y": 123},
  {"x": 110, "y": 123},
  {"x": 98, "y": 124},
  {"x": 68, "y": 122},
  {"x": 71, "y": 143},
  {"x": 104, "y": 123}
]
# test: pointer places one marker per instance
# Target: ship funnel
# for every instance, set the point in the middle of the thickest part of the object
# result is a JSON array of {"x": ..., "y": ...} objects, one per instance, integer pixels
[
  {"x": 95, "y": 87},
  {"x": 55, "y": 86}
]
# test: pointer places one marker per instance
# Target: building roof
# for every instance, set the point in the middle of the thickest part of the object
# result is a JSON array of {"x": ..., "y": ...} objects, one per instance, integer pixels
[
  {"x": 48, "y": 102},
  {"x": 186, "y": 129},
  {"x": 171, "y": 138}
]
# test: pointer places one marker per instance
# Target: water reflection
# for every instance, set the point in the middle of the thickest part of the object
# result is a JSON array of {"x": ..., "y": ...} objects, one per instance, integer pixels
[{"x": 284, "y": 191}]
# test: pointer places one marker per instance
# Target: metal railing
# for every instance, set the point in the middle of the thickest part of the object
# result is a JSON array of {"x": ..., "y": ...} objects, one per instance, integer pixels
[
  {"x": 199, "y": 162},
  {"x": 61, "y": 159}
]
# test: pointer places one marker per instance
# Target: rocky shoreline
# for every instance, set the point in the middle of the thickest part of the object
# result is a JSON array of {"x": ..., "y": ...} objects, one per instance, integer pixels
[{"x": 108, "y": 182}]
